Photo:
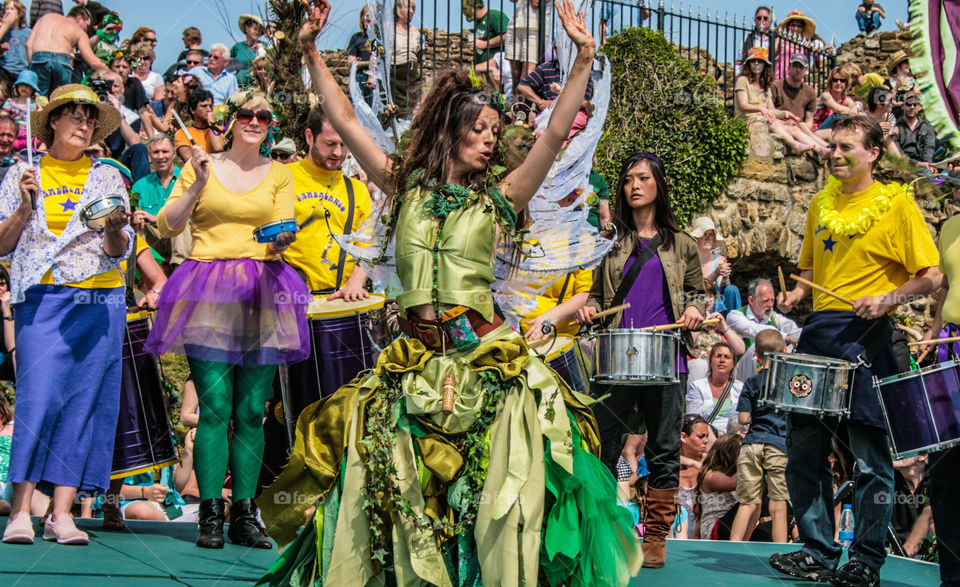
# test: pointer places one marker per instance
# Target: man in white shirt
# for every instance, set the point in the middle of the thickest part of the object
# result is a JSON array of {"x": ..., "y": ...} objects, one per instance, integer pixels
[{"x": 756, "y": 316}]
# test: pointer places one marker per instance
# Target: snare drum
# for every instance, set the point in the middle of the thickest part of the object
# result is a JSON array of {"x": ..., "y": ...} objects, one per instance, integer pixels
[
  {"x": 144, "y": 440},
  {"x": 922, "y": 409},
  {"x": 807, "y": 384},
  {"x": 563, "y": 355},
  {"x": 94, "y": 214},
  {"x": 267, "y": 233},
  {"x": 340, "y": 348},
  {"x": 625, "y": 356}
]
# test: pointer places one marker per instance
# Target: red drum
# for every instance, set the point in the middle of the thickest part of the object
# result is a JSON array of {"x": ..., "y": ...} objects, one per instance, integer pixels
[
  {"x": 145, "y": 439},
  {"x": 922, "y": 409}
]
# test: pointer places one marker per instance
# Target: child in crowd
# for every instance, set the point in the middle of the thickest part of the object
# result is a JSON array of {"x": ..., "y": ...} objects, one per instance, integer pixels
[
  {"x": 16, "y": 106},
  {"x": 763, "y": 458},
  {"x": 716, "y": 504}
]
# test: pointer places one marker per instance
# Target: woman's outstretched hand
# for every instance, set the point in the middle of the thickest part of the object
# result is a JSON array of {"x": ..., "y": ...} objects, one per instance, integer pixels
[
  {"x": 316, "y": 18},
  {"x": 575, "y": 26}
]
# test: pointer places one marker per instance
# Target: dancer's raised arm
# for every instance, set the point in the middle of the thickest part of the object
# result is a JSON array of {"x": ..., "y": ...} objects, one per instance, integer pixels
[
  {"x": 523, "y": 182},
  {"x": 335, "y": 103}
]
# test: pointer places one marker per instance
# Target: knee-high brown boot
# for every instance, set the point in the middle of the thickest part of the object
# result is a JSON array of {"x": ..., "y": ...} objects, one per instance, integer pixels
[{"x": 661, "y": 508}]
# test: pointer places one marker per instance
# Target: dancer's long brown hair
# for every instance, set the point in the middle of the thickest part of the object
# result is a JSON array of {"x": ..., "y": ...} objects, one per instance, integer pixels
[{"x": 444, "y": 119}]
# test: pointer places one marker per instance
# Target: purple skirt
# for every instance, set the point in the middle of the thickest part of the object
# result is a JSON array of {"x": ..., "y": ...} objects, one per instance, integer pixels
[{"x": 237, "y": 311}]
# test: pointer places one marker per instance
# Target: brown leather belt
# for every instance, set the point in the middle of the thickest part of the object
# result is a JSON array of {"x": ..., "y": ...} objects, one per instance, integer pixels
[{"x": 433, "y": 334}]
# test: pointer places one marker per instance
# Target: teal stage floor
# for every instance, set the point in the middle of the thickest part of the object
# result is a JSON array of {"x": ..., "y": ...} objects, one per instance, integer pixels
[{"x": 158, "y": 553}]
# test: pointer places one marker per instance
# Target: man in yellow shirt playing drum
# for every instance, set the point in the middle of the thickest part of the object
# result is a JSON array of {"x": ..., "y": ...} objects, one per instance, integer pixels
[
  {"x": 866, "y": 242},
  {"x": 321, "y": 189}
]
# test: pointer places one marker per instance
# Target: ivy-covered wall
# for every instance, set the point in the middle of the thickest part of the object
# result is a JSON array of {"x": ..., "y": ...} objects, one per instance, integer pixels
[{"x": 661, "y": 104}]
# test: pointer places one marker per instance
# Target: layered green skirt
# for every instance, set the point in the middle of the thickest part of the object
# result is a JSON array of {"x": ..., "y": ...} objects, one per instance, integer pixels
[{"x": 504, "y": 490}]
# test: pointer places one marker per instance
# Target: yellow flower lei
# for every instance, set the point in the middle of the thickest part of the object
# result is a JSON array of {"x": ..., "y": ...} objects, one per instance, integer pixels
[{"x": 857, "y": 221}]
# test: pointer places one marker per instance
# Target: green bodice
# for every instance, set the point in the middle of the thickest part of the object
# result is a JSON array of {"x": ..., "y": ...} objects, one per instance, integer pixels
[{"x": 464, "y": 254}]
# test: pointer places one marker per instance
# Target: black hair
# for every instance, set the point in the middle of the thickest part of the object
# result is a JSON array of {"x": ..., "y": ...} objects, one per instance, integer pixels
[
  {"x": 315, "y": 120},
  {"x": 664, "y": 217},
  {"x": 872, "y": 102},
  {"x": 195, "y": 97}
]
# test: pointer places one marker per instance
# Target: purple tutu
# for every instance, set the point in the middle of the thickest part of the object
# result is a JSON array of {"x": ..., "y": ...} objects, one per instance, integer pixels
[{"x": 238, "y": 311}]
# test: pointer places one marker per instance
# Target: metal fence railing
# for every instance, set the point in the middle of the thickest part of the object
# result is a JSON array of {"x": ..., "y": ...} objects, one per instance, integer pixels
[{"x": 713, "y": 43}]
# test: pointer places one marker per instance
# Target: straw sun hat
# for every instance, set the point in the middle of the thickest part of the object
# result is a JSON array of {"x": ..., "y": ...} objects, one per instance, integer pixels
[
  {"x": 809, "y": 27},
  {"x": 108, "y": 117}
]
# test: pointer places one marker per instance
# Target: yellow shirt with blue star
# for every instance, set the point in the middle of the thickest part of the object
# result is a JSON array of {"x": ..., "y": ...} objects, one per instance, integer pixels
[
  {"x": 876, "y": 262},
  {"x": 316, "y": 188},
  {"x": 62, "y": 183}
]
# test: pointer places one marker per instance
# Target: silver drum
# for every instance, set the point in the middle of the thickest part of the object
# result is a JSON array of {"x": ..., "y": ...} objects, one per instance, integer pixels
[
  {"x": 625, "y": 356},
  {"x": 94, "y": 214},
  {"x": 808, "y": 384}
]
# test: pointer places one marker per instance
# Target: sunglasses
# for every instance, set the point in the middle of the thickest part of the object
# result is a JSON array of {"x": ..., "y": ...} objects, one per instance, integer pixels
[
  {"x": 912, "y": 104},
  {"x": 763, "y": 18},
  {"x": 194, "y": 62},
  {"x": 150, "y": 40},
  {"x": 838, "y": 80},
  {"x": 245, "y": 116}
]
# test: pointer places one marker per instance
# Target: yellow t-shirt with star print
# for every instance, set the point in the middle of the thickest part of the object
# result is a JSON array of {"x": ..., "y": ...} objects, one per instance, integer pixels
[
  {"x": 315, "y": 188},
  {"x": 876, "y": 262},
  {"x": 62, "y": 183}
]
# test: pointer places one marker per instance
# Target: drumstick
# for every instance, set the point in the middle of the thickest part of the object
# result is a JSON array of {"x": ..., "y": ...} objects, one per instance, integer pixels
[
  {"x": 821, "y": 289},
  {"x": 934, "y": 341},
  {"x": 33, "y": 195},
  {"x": 924, "y": 354},
  {"x": 783, "y": 283},
  {"x": 183, "y": 127},
  {"x": 660, "y": 327},
  {"x": 612, "y": 310}
]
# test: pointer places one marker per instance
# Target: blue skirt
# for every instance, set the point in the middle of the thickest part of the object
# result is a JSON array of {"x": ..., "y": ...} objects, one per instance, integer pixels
[{"x": 68, "y": 386}]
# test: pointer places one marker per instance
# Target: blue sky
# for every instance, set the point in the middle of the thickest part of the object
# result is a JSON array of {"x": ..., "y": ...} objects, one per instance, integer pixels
[{"x": 218, "y": 19}]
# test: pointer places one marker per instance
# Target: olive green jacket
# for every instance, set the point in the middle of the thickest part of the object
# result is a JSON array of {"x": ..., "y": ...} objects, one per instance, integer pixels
[{"x": 681, "y": 267}]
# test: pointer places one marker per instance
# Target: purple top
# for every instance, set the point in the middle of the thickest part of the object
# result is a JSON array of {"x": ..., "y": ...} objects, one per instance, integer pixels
[{"x": 649, "y": 298}]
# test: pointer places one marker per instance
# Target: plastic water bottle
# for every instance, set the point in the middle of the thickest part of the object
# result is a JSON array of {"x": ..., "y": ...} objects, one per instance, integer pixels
[{"x": 846, "y": 526}]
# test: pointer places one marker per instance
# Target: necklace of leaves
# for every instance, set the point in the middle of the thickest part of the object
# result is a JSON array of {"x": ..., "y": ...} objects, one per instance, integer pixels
[{"x": 381, "y": 495}]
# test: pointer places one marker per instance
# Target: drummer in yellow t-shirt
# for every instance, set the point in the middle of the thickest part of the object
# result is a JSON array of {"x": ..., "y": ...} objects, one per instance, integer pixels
[
  {"x": 319, "y": 185},
  {"x": 557, "y": 306}
]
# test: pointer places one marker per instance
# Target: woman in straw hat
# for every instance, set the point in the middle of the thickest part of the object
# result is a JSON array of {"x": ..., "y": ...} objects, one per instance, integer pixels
[
  {"x": 249, "y": 49},
  {"x": 797, "y": 34},
  {"x": 233, "y": 308},
  {"x": 68, "y": 296}
]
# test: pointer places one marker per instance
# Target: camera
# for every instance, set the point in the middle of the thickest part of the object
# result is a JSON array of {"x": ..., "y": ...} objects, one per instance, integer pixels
[{"x": 102, "y": 87}]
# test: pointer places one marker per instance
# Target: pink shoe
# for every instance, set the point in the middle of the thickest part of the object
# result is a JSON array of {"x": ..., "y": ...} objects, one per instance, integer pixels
[
  {"x": 19, "y": 529},
  {"x": 60, "y": 527}
]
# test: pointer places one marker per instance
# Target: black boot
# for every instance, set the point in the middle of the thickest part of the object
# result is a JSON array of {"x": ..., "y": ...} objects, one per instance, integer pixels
[
  {"x": 212, "y": 513},
  {"x": 244, "y": 528}
]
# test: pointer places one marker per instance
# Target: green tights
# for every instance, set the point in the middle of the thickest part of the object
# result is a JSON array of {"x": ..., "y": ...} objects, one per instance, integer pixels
[{"x": 229, "y": 391}]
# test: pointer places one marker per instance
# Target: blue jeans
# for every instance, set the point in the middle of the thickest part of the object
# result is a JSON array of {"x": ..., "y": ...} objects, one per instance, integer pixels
[
  {"x": 729, "y": 299},
  {"x": 943, "y": 472},
  {"x": 868, "y": 22},
  {"x": 53, "y": 70},
  {"x": 137, "y": 161},
  {"x": 810, "y": 481}
]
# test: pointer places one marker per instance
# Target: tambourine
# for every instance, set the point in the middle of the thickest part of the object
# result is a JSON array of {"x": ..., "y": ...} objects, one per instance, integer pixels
[
  {"x": 94, "y": 214},
  {"x": 267, "y": 233}
]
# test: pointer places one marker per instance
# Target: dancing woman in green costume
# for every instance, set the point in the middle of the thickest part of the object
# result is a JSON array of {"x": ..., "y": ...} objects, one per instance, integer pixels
[{"x": 462, "y": 459}]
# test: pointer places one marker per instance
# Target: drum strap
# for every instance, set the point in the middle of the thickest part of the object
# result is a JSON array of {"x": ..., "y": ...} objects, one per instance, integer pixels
[
  {"x": 348, "y": 228},
  {"x": 645, "y": 255},
  {"x": 563, "y": 290},
  {"x": 719, "y": 403}
]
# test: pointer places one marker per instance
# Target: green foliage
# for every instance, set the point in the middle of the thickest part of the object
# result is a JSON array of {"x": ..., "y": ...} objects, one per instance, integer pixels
[{"x": 661, "y": 104}]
